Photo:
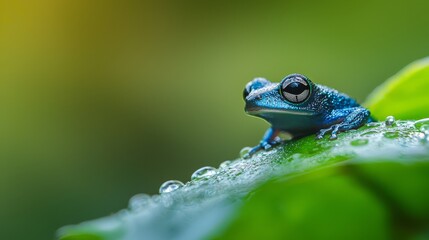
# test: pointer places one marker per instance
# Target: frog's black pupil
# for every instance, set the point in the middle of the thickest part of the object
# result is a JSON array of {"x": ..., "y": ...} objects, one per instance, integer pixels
[{"x": 295, "y": 88}]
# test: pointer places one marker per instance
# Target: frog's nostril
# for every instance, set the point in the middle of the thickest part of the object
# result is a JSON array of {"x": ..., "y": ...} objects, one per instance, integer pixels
[
  {"x": 246, "y": 93},
  {"x": 253, "y": 85}
]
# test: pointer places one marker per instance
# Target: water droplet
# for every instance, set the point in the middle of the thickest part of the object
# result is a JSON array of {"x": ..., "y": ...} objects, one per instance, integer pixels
[
  {"x": 424, "y": 128},
  {"x": 422, "y": 125},
  {"x": 389, "y": 120},
  {"x": 391, "y": 135},
  {"x": 204, "y": 172},
  {"x": 170, "y": 186},
  {"x": 245, "y": 151},
  {"x": 425, "y": 131},
  {"x": 138, "y": 201},
  {"x": 422, "y": 137},
  {"x": 225, "y": 164},
  {"x": 359, "y": 142}
]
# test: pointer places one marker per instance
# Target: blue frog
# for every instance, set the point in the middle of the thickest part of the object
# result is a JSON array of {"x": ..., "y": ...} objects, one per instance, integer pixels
[{"x": 299, "y": 107}]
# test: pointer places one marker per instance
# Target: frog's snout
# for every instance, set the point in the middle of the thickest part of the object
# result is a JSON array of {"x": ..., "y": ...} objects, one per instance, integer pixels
[
  {"x": 253, "y": 101},
  {"x": 253, "y": 85}
]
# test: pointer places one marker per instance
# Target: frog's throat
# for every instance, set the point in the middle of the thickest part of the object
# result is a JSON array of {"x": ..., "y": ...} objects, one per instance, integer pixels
[{"x": 259, "y": 111}]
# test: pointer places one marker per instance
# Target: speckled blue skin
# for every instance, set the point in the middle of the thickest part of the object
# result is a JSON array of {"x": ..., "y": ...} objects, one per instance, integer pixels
[{"x": 325, "y": 110}]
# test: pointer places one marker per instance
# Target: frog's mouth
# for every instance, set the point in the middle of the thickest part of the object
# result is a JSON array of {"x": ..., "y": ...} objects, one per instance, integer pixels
[{"x": 257, "y": 111}]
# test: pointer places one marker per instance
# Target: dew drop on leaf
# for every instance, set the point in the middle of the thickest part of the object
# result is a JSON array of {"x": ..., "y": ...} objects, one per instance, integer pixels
[
  {"x": 170, "y": 186},
  {"x": 245, "y": 151},
  {"x": 422, "y": 125},
  {"x": 204, "y": 172},
  {"x": 389, "y": 120}
]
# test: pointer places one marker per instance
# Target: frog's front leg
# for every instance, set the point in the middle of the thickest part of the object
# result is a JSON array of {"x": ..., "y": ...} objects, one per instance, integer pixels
[
  {"x": 269, "y": 140},
  {"x": 341, "y": 120}
]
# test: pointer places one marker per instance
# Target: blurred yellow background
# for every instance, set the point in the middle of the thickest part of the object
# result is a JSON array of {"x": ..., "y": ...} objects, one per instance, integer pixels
[{"x": 101, "y": 100}]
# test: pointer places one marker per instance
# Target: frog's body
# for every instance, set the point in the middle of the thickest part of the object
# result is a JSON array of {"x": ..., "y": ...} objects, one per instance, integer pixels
[{"x": 300, "y": 107}]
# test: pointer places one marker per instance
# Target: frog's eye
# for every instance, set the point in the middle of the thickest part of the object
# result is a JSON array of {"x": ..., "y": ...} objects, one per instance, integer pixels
[{"x": 295, "y": 88}]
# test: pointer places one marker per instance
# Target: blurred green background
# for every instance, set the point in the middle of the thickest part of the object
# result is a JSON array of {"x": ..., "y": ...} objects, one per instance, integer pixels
[{"x": 101, "y": 100}]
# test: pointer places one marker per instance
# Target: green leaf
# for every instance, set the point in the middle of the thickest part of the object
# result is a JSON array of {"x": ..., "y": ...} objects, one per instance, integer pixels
[
  {"x": 404, "y": 95},
  {"x": 109, "y": 228},
  {"x": 328, "y": 185},
  {"x": 323, "y": 205},
  {"x": 370, "y": 183},
  {"x": 363, "y": 200}
]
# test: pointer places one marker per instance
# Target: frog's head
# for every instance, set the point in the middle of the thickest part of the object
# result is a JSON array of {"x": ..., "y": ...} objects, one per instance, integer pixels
[{"x": 292, "y": 96}]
